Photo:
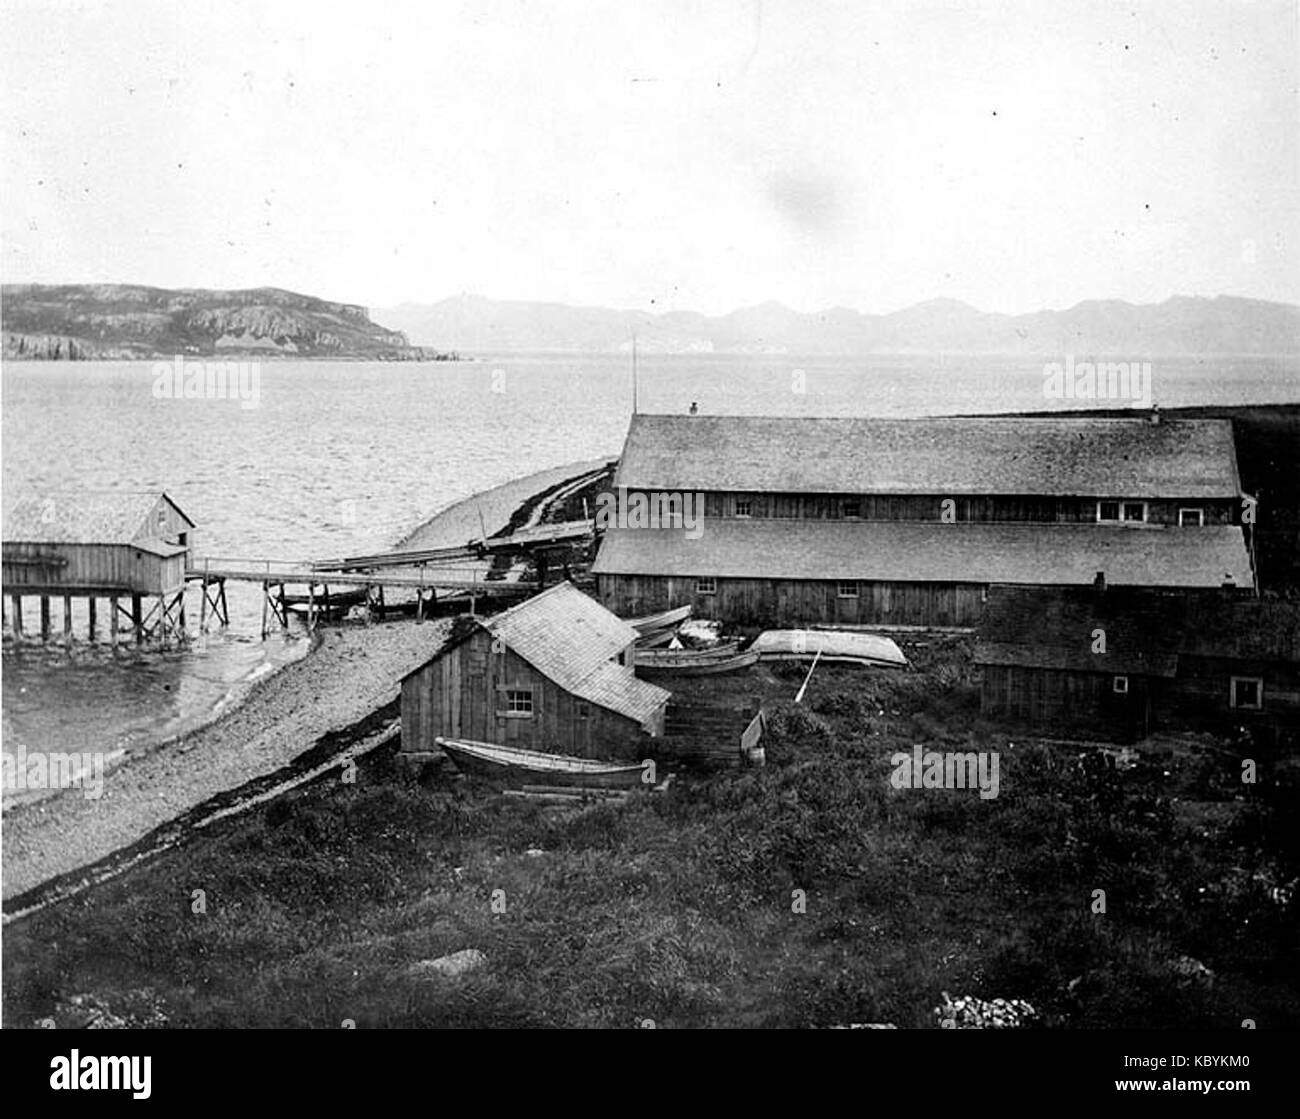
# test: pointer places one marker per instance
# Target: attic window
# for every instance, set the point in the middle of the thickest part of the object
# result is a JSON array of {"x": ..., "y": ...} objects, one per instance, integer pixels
[
  {"x": 1120, "y": 685},
  {"x": 162, "y": 518},
  {"x": 744, "y": 507},
  {"x": 1248, "y": 693},
  {"x": 1191, "y": 517}
]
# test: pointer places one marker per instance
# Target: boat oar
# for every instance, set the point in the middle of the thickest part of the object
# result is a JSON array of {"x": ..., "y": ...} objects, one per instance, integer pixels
[{"x": 799, "y": 697}]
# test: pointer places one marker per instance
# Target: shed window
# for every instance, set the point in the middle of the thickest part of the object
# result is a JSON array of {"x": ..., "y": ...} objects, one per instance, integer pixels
[
  {"x": 518, "y": 703},
  {"x": 1247, "y": 693},
  {"x": 851, "y": 510},
  {"x": 706, "y": 586},
  {"x": 1120, "y": 685},
  {"x": 848, "y": 590},
  {"x": 1108, "y": 510},
  {"x": 744, "y": 507},
  {"x": 1191, "y": 517},
  {"x": 1135, "y": 510}
]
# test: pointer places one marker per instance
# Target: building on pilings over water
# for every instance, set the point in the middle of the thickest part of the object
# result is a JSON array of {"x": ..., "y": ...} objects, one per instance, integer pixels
[
  {"x": 909, "y": 522},
  {"x": 130, "y": 548}
]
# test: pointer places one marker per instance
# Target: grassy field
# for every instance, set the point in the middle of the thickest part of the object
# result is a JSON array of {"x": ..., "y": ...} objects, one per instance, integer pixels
[{"x": 682, "y": 908}]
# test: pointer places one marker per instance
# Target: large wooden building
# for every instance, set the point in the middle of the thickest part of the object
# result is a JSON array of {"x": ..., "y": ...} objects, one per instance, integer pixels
[
  {"x": 1121, "y": 664},
  {"x": 553, "y": 674},
  {"x": 909, "y": 522}
]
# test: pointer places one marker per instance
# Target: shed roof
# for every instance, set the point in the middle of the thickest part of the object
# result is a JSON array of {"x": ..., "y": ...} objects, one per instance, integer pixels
[
  {"x": 909, "y": 551},
  {"x": 86, "y": 517},
  {"x": 570, "y": 638},
  {"x": 1011, "y": 456},
  {"x": 1033, "y": 627}
]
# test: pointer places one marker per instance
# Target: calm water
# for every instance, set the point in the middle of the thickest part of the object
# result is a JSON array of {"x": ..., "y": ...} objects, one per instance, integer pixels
[{"x": 343, "y": 458}]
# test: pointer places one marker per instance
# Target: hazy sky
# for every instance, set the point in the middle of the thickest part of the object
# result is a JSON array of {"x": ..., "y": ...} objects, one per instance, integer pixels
[{"x": 660, "y": 155}]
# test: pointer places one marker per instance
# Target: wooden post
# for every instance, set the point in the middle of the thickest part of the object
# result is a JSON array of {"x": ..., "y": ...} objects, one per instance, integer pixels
[
  {"x": 266, "y": 600},
  {"x": 473, "y": 587},
  {"x": 284, "y": 611},
  {"x": 45, "y": 618},
  {"x": 67, "y": 618},
  {"x": 137, "y": 620},
  {"x": 311, "y": 606},
  {"x": 203, "y": 607},
  {"x": 225, "y": 609},
  {"x": 112, "y": 621},
  {"x": 17, "y": 600},
  {"x": 91, "y": 604}
]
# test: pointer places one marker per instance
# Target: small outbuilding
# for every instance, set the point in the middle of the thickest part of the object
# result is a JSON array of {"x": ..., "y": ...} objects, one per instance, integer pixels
[
  {"x": 1121, "y": 664},
  {"x": 553, "y": 674}
]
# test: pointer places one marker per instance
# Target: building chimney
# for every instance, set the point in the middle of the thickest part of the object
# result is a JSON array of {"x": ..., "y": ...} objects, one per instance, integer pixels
[
  {"x": 1099, "y": 582},
  {"x": 1155, "y": 415}
]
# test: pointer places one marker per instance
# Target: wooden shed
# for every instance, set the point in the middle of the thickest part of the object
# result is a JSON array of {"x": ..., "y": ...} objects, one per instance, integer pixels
[
  {"x": 87, "y": 542},
  {"x": 1121, "y": 664},
  {"x": 552, "y": 674}
]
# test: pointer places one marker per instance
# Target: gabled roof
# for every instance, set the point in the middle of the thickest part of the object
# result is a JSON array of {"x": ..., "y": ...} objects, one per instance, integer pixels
[
  {"x": 1145, "y": 634},
  {"x": 1033, "y": 456},
  {"x": 571, "y": 639},
  {"x": 910, "y": 551},
  {"x": 87, "y": 517}
]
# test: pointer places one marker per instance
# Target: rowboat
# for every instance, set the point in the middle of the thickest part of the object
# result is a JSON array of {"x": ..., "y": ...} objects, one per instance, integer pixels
[
  {"x": 693, "y": 662},
  {"x": 334, "y": 605},
  {"x": 833, "y": 645},
  {"x": 652, "y": 623},
  {"x": 514, "y": 766}
]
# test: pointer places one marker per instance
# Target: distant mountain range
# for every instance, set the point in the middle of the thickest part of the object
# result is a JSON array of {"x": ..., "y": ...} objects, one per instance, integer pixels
[
  {"x": 1180, "y": 325},
  {"x": 128, "y": 321}
]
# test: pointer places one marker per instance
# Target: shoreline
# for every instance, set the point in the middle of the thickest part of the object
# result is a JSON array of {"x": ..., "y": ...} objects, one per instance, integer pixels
[{"x": 348, "y": 673}]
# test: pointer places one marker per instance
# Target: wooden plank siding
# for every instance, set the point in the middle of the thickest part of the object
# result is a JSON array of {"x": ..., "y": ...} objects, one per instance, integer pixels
[
  {"x": 1062, "y": 698},
  {"x": 461, "y": 694},
  {"x": 878, "y": 507},
  {"x": 90, "y": 567},
  {"x": 793, "y": 602}
]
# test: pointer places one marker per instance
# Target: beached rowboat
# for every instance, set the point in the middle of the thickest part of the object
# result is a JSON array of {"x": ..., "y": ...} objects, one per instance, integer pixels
[
  {"x": 833, "y": 645},
  {"x": 693, "y": 662},
  {"x": 652, "y": 623},
  {"x": 511, "y": 765}
]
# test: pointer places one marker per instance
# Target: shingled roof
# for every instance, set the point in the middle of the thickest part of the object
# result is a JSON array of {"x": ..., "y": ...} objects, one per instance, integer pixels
[
  {"x": 570, "y": 638},
  {"x": 1037, "y": 456},
  {"x": 909, "y": 551},
  {"x": 1144, "y": 634},
  {"x": 86, "y": 517}
]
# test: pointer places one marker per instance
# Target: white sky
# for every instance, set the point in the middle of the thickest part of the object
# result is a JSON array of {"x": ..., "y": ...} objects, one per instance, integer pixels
[{"x": 661, "y": 155}]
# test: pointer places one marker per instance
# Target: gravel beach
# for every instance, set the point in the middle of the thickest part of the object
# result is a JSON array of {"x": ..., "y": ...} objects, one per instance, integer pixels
[{"x": 350, "y": 671}]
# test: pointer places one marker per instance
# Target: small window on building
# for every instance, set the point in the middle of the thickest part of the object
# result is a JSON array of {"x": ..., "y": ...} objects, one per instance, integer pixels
[
  {"x": 584, "y": 712},
  {"x": 706, "y": 586},
  {"x": 1247, "y": 693},
  {"x": 848, "y": 590},
  {"x": 851, "y": 510},
  {"x": 1194, "y": 517},
  {"x": 744, "y": 507},
  {"x": 1135, "y": 510},
  {"x": 519, "y": 702},
  {"x": 1120, "y": 685},
  {"x": 1108, "y": 510}
]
